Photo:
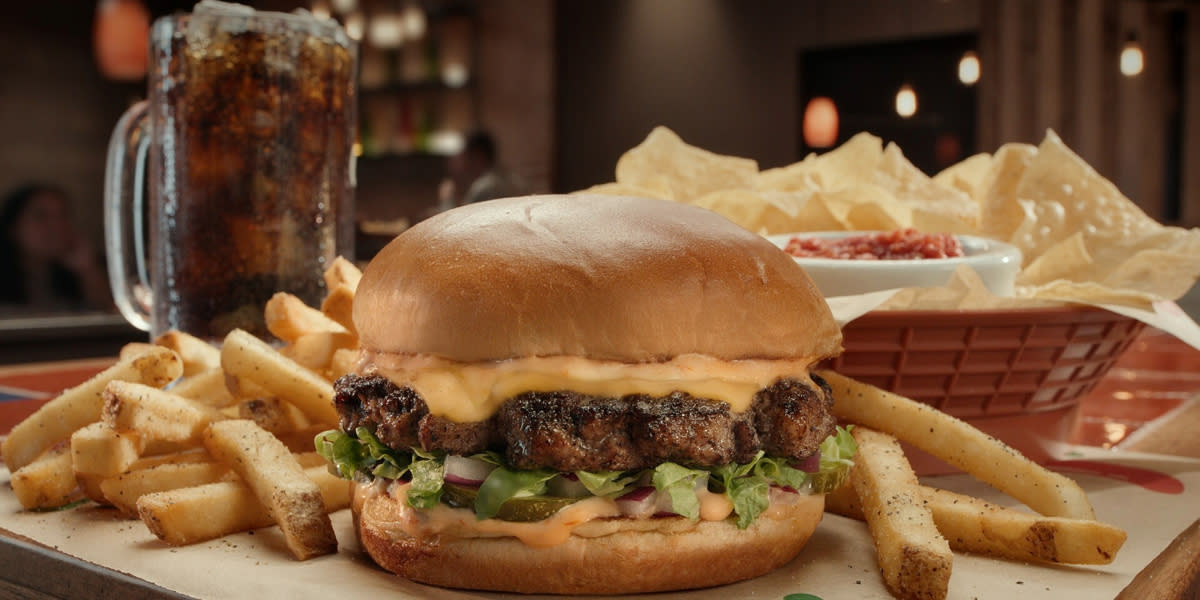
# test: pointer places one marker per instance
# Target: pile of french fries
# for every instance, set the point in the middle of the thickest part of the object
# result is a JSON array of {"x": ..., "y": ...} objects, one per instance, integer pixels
[
  {"x": 200, "y": 442},
  {"x": 916, "y": 528}
]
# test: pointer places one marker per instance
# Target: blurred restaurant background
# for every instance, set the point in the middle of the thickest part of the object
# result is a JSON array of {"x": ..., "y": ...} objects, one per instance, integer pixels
[{"x": 565, "y": 87}]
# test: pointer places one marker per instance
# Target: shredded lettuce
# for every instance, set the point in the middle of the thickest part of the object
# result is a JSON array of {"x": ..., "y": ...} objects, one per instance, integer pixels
[
  {"x": 361, "y": 453},
  {"x": 746, "y": 485},
  {"x": 679, "y": 484},
  {"x": 837, "y": 456},
  {"x": 428, "y": 475},
  {"x": 605, "y": 483},
  {"x": 750, "y": 496}
]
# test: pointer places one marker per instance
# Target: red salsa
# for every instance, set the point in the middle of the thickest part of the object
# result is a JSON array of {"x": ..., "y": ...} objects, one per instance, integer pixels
[{"x": 902, "y": 244}]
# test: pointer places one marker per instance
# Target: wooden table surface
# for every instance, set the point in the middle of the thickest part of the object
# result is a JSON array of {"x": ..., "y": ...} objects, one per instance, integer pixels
[{"x": 1148, "y": 402}]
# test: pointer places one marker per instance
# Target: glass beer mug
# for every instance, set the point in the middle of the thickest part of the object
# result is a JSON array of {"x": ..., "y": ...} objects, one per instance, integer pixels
[{"x": 244, "y": 149}]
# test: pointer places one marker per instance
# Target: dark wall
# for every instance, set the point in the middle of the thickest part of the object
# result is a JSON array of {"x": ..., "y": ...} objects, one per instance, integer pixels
[
  {"x": 941, "y": 133},
  {"x": 711, "y": 73},
  {"x": 56, "y": 109},
  {"x": 721, "y": 73}
]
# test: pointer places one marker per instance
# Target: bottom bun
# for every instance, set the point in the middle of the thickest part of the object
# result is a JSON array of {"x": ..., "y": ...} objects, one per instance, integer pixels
[{"x": 706, "y": 554}]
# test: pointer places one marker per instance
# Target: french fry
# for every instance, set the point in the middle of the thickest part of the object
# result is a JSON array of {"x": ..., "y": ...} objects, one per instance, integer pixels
[
  {"x": 48, "y": 481},
  {"x": 56, "y": 420},
  {"x": 100, "y": 450},
  {"x": 198, "y": 355},
  {"x": 342, "y": 272},
  {"x": 984, "y": 528},
  {"x": 339, "y": 306},
  {"x": 124, "y": 490},
  {"x": 973, "y": 525},
  {"x": 273, "y": 414},
  {"x": 189, "y": 455},
  {"x": 242, "y": 388},
  {"x": 245, "y": 356},
  {"x": 343, "y": 362},
  {"x": 195, "y": 514},
  {"x": 961, "y": 445},
  {"x": 153, "y": 447},
  {"x": 308, "y": 460},
  {"x": 154, "y": 413},
  {"x": 315, "y": 350},
  {"x": 132, "y": 349},
  {"x": 288, "y": 318},
  {"x": 203, "y": 512},
  {"x": 301, "y": 441},
  {"x": 276, "y": 478},
  {"x": 207, "y": 387},
  {"x": 915, "y": 560},
  {"x": 89, "y": 485}
]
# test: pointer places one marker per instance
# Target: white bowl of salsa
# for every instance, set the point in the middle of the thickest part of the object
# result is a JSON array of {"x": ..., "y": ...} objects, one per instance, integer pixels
[{"x": 845, "y": 263}]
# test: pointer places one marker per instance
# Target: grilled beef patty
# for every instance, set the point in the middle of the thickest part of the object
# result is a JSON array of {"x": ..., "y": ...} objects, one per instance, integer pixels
[{"x": 567, "y": 431}]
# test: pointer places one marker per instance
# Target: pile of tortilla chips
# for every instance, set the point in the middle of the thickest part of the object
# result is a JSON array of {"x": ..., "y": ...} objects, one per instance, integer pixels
[{"x": 1083, "y": 241}]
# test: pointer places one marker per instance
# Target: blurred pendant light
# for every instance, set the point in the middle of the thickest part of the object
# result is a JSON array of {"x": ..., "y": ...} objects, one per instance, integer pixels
[
  {"x": 121, "y": 39},
  {"x": 968, "y": 68},
  {"x": 414, "y": 21},
  {"x": 906, "y": 101},
  {"x": 386, "y": 30},
  {"x": 820, "y": 124},
  {"x": 1132, "y": 61},
  {"x": 320, "y": 9},
  {"x": 355, "y": 24},
  {"x": 343, "y": 7}
]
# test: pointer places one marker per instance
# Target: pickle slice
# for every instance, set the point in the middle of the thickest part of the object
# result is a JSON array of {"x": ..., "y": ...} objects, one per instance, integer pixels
[
  {"x": 524, "y": 509},
  {"x": 827, "y": 481}
]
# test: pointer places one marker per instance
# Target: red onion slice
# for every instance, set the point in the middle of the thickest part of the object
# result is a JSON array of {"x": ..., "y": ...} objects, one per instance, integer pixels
[
  {"x": 462, "y": 470},
  {"x": 811, "y": 464},
  {"x": 641, "y": 502},
  {"x": 567, "y": 487}
]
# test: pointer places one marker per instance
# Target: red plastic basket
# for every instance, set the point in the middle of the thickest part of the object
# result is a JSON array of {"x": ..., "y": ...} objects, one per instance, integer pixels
[{"x": 986, "y": 363}]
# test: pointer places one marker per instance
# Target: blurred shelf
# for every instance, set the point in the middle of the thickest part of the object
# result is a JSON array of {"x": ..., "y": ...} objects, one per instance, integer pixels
[
  {"x": 57, "y": 337},
  {"x": 431, "y": 85}
]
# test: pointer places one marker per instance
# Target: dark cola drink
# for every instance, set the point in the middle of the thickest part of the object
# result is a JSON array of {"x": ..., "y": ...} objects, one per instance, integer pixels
[{"x": 252, "y": 120}]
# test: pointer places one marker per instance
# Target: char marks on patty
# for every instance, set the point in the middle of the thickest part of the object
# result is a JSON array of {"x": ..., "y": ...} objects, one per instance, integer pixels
[{"x": 567, "y": 431}]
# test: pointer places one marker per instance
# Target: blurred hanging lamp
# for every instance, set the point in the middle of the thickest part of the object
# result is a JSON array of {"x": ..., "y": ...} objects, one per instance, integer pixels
[
  {"x": 320, "y": 9},
  {"x": 386, "y": 30},
  {"x": 121, "y": 39},
  {"x": 968, "y": 68},
  {"x": 820, "y": 124},
  {"x": 906, "y": 101},
  {"x": 355, "y": 24},
  {"x": 414, "y": 21},
  {"x": 1132, "y": 61},
  {"x": 344, "y": 7}
]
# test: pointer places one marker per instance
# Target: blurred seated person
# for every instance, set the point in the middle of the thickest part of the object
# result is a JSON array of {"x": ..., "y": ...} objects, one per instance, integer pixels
[
  {"x": 475, "y": 175},
  {"x": 46, "y": 265}
]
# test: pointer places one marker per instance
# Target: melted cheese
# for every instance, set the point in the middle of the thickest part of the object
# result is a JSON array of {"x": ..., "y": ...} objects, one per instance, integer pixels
[{"x": 470, "y": 392}]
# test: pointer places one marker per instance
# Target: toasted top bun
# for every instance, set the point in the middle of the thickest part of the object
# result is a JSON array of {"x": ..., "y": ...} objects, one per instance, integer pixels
[{"x": 600, "y": 277}]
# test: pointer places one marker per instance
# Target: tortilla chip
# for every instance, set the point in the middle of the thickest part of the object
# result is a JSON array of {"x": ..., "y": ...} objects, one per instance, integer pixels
[
  {"x": 664, "y": 161},
  {"x": 1001, "y": 214},
  {"x": 966, "y": 175},
  {"x": 1067, "y": 196},
  {"x": 935, "y": 208},
  {"x": 662, "y": 191},
  {"x": 1065, "y": 259}
]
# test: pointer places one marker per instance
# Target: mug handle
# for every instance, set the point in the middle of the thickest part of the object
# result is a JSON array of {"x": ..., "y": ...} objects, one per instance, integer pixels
[{"x": 124, "y": 215}]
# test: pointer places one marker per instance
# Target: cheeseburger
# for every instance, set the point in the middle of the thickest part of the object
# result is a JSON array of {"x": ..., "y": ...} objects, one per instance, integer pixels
[{"x": 586, "y": 394}]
